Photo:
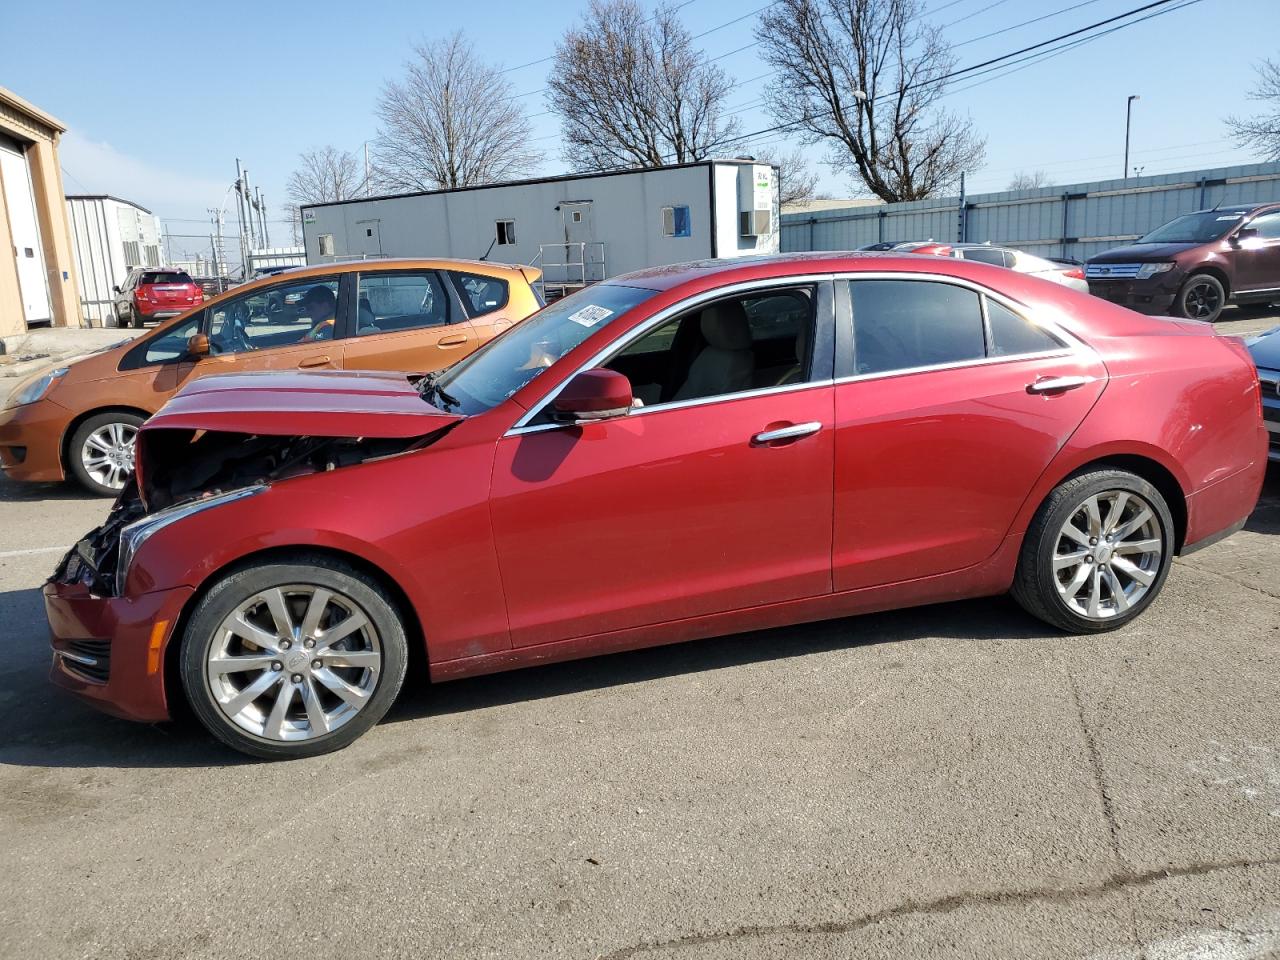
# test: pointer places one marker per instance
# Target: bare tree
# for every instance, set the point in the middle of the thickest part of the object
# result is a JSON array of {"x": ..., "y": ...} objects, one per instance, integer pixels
[
  {"x": 1028, "y": 180},
  {"x": 1262, "y": 133},
  {"x": 324, "y": 175},
  {"x": 632, "y": 91},
  {"x": 797, "y": 181},
  {"x": 864, "y": 78},
  {"x": 451, "y": 121}
]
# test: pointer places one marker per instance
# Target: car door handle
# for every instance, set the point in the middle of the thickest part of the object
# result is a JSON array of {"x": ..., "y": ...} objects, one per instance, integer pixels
[
  {"x": 1056, "y": 384},
  {"x": 455, "y": 340},
  {"x": 314, "y": 362},
  {"x": 793, "y": 432}
]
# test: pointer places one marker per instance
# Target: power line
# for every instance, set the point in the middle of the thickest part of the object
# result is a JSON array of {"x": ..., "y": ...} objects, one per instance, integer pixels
[
  {"x": 970, "y": 16},
  {"x": 975, "y": 68},
  {"x": 1024, "y": 23}
]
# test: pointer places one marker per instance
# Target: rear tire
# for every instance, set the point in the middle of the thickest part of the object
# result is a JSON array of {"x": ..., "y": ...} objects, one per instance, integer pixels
[
  {"x": 1201, "y": 298},
  {"x": 100, "y": 453},
  {"x": 1085, "y": 570},
  {"x": 295, "y": 691}
]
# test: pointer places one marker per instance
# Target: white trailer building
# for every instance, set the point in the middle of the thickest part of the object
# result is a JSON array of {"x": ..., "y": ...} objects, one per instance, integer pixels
[
  {"x": 110, "y": 237},
  {"x": 579, "y": 228}
]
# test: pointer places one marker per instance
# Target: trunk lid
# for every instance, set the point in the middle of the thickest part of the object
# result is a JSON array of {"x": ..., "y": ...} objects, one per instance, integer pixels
[{"x": 337, "y": 403}]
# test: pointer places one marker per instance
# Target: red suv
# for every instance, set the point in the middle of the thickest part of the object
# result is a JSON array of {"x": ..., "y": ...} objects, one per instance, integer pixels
[
  {"x": 1195, "y": 265},
  {"x": 149, "y": 293}
]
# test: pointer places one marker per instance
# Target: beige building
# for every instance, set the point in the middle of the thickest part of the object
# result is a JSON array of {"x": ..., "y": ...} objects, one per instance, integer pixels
[{"x": 38, "y": 283}]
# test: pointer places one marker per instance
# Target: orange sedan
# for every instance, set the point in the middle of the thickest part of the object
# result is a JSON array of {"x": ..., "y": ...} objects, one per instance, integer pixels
[{"x": 411, "y": 315}]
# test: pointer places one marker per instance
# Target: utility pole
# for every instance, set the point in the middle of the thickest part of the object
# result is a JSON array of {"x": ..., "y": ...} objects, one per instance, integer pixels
[
  {"x": 1128, "y": 117},
  {"x": 960, "y": 220},
  {"x": 248, "y": 206},
  {"x": 263, "y": 238}
]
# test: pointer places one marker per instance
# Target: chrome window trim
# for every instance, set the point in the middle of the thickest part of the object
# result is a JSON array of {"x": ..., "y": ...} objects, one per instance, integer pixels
[
  {"x": 523, "y": 426},
  {"x": 1071, "y": 344}
]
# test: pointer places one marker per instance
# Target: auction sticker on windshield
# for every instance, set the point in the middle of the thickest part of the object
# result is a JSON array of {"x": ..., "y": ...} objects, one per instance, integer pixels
[{"x": 589, "y": 316}]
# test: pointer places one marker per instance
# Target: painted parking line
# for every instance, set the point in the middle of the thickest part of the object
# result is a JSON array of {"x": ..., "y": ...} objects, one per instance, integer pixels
[{"x": 32, "y": 551}]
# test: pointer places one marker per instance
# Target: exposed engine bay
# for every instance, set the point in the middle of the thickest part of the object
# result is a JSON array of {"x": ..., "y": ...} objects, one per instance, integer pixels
[{"x": 178, "y": 466}]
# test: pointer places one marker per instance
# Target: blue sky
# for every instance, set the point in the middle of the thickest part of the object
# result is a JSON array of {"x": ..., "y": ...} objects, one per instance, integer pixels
[{"x": 161, "y": 100}]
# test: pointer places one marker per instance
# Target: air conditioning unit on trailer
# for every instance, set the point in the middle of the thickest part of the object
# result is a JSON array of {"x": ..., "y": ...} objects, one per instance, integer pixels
[{"x": 755, "y": 200}]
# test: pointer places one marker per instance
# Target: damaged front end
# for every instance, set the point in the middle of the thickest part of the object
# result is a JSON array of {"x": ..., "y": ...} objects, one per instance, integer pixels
[{"x": 202, "y": 451}]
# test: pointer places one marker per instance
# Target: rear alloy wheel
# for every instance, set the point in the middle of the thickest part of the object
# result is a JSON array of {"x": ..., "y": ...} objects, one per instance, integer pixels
[
  {"x": 287, "y": 660},
  {"x": 101, "y": 452},
  {"x": 1201, "y": 298},
  {"x": 1097, "y": 552}
]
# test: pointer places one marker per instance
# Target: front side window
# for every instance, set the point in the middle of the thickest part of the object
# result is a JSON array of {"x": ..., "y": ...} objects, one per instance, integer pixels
[
  {"x": 390, "y": 302},
  {"x": 506, "y": 363},
  {"x": 902, "y": 324},
  {"x": 171, "y": 345},
  {"x": 286, "y": 314},
  {"x": 481, "y": 294},
  {"x": 1267, "y": 225},
  {"x": 747, "y": 342}
]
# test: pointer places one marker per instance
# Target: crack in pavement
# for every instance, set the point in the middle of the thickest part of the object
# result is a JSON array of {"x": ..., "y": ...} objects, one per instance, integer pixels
[
  {"x": 1222, "y": 576},
  {"x": 1119, "y": 880}
]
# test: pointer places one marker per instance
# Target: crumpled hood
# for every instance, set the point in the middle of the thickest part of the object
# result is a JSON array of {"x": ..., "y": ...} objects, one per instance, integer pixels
[{"x": 334, "y": 403}]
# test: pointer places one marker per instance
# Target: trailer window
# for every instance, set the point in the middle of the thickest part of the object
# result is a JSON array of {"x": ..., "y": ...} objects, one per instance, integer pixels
[
  {"x": 675, "y": 221},
  {"x": 506, "y": 232}
]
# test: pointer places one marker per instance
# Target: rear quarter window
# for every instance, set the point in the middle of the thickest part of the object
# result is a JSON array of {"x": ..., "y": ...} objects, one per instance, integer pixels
[{"x": 481, "y": 294}]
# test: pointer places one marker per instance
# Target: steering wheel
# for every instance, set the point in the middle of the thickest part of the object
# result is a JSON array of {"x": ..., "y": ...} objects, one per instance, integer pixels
[{"x": 231, "y": 338}]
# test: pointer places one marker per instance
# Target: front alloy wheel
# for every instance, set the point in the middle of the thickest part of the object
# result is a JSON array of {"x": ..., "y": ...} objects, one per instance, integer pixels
[
  {"x": 294, "y": 662},
  {"x": 1202, "y": 298},
  {"x": 1097, "y": 552},
  {"x": 101, "y": 451},
  {"x": 293, "y": 659}
]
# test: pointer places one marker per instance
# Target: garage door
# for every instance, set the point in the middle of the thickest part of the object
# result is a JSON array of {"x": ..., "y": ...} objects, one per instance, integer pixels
[{"x": 33, "y": 281}]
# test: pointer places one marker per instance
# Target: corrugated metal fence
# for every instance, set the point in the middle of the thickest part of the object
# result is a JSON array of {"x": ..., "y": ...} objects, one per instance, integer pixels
[{"x": 1077, "y": 220}]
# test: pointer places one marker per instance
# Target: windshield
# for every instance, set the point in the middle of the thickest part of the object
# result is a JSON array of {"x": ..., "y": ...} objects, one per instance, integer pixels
[
  {"x": 1194, "y": 228},
  {"x": 505, "y": 364}
]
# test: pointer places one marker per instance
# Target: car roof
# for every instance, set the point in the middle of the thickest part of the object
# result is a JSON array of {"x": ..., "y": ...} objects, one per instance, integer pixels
[
  {"x": 482, "y": 267},
  {"x": 784, "y": 264},
  {"x": 1237, "y": 207}
]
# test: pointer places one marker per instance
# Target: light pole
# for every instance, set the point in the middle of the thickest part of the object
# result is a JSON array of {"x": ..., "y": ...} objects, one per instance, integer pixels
[{"x": 1128, "y": 117}]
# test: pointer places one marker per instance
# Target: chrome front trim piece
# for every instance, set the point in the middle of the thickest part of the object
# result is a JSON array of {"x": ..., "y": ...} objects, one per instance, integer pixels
[{"x": 1112, "y": 271}]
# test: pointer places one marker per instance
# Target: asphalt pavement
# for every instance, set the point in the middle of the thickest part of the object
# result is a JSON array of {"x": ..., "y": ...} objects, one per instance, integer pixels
[{"x": 951, "y": 781}]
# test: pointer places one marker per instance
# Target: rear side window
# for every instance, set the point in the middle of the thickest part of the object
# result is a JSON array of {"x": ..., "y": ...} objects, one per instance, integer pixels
[
  {"x": 901, "y": 324},
  {"x": 1012, "y": 334},
  {"x": 166, "y": 277},
  {"x": 400, "y": 301},
  {"x": 481, "y": 294},
  {"x": 994, "y": 257}
]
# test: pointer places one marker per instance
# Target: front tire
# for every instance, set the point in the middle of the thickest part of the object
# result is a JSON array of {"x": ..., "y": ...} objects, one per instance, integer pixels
[
  {"x": 1097, "y": 552},
  {"x": 100, "y": 454},
  {"x": 290, "y": 659},
  {"x": 1202, "y": 297}
]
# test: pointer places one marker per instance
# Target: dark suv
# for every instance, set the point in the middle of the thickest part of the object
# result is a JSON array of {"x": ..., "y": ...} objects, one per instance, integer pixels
[{"x": 1195, "y": 265}]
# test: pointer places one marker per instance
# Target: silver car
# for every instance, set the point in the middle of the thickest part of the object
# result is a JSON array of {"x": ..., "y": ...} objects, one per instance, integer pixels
[
  {"x": 1065, "y": 274},
  {"x": 1265, "y": 348}
]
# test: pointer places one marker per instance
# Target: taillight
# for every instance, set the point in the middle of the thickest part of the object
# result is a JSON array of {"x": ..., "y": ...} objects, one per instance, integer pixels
[
  {"x": 143, "y": 293},
  {"x": 1075, "y": 274}
]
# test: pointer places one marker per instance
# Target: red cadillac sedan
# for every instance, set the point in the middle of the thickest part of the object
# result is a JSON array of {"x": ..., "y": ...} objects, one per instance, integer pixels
[{"x": 675, "y": 453}]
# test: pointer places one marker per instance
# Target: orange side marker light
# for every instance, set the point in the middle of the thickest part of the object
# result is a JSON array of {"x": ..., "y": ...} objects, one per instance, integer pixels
[{"x": 158, "y": 631}]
